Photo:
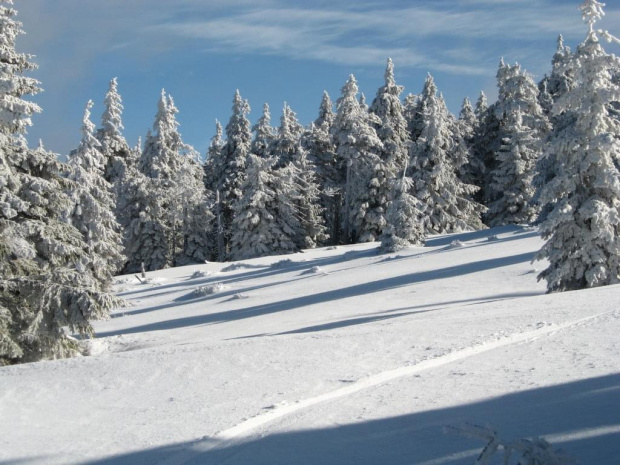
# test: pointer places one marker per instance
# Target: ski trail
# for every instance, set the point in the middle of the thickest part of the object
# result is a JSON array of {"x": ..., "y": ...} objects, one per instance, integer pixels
[{"x": 226, "y": 437}]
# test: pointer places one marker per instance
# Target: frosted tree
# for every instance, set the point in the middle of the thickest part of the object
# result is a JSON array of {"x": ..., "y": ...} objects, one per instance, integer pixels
[
  {"x": 259, "y": 225},
  {"x": 193, "y": 214},
  {"x": 156, "y": 235},
  {"x": 285, "y": 146},
  {"x": 113, "y": 146},
  {"x": 559, "y": 81},
  {"x": 410, "y": 110},
  {"x": 306, "y": 194},
  {"x": 392, "y": 128},
  {"x": 15, "y": 112},
  {"x": 552, "y": 88},
  {"x": 447, "y": 204},
  {"x": 213, "y": 169},
  {"x": 466, "y": 126},
  {"x": 92, "y": 210},
  {"x": 231, "y": 171},
  {"x": 264, "y": 134},
  {"x": 318, "y": 142},
  {"x": 582, "y": 231},
  {"x": 403, "y": 218},
  {"x": 213, "y": 162},
  {"x": 41, "y": 288},
  {"x": 514, "y": 167},
  {"x": 516, "y": 163},
  {"x": 358, "y": 148}
]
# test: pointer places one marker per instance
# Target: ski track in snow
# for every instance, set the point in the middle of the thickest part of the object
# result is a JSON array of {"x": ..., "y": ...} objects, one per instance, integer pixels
[{"x": 244, "y": 429}]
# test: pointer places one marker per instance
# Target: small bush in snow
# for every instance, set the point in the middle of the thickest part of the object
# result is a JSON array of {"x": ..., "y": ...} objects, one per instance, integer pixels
[
  {"x": 456, "y": 244},
  {"x": 210, "y": 289},
  {"x": 492, "y": 238}
]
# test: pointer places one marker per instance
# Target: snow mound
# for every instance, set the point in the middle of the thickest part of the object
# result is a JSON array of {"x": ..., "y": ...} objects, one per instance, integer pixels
[
  {"x": 282, "y": 264},
  {"x": 201, "y": 274},
  {"x": 315, "y": 270},
  {"x": 456, "y": 244},
  {"x": 209, "y": 289},
  {"x": 239, "y": 266}
]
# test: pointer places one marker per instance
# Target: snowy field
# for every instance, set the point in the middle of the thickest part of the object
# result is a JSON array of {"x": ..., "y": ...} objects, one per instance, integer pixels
[{"x": 333, "y": 356}]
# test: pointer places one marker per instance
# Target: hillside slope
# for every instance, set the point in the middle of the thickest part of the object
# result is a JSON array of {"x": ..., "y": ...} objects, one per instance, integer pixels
[{"x": 333, "y": 356}]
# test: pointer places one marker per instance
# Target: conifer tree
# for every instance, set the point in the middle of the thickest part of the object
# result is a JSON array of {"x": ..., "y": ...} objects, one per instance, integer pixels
[
  {"x": 358, "y": 148},
  {"x": 514, "y": 174},
  {"x": 391, "y": 127},
  {"x": 41, "y": 288},
  {"x": 403, "y": 218},
  {"x": 113, "y": 146},
  {"x": 447, "y": 204},
  {"x": 264, "y": 134},
  {"x": 582, "y": 231},
  {"x": 194, "y": 213},
  {"x": 92, "y": 211},
  {"x": 312, "y": 230},
  {"x": 230, "y": 172},
  {"x": 514, "y": 167},
  {"x": 259, "y": 225},
  {"x": 317, "y": 141},
  {"x": 157, "y": 234},
  {"x": 467, "y": 126},
  {"x": 213, "y": 169},
  {"x": 286, "y": 145}
]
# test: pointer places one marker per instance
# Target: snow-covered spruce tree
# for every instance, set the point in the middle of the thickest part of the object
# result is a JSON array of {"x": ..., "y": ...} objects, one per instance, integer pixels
[
  {"x": 516, "y": 162},
  {"x": 318, "y": 142},
  {"x": 193, "y": 213},
  {"x": 213, "y": 169},
  {"x": 123, "y": 187},
  {"x": 552, "y": 88},
  {"x": 560, "y": 81},
  {"x": 510, "y": 187},
  {"x": 264, "y": 134},
  {"x": 358, "y": 148},
  {"x": 92, "y": 209},
  {"x": 391, "y": 127},
  {"x": 403, "y": 228},
  {"x": 117, "y": 153},
  {"x": 583, "y": 229},
  {"x": 446, "y": 200},
  {"x": 286, "y": 144},
  {"x": 230, "y": 172},
  {"x": 467, "y": 125},
  {"x": 41, "y": 291},
  {"x": 410, "y": 110},
  {"x": 306, "y": 196},
  {"x": 259, "y": 225},
  {"x": 213, "y": 161},
  {"x": 156, "y": 235}
]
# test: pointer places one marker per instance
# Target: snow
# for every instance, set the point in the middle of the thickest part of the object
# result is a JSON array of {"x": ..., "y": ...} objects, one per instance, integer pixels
[{"x": 335, "y": 356}]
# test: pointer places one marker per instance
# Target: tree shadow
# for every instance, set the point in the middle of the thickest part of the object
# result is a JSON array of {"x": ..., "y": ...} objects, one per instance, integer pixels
[
  {"x": 404, "y": 311},
  {"x": 581, "y": 417},
  {"x": 361, "y": 289}
]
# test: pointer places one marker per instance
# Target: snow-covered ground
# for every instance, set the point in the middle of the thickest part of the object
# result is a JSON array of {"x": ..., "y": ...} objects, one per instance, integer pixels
[{"x": 333, "y": 356}]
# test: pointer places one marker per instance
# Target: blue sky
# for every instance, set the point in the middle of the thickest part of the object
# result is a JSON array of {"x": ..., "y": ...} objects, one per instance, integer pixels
[{"x": 273, "y": 51}]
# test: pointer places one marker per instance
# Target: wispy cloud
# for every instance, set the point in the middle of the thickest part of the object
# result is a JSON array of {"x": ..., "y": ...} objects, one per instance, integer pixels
[{"x": 368, "y": 33}]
